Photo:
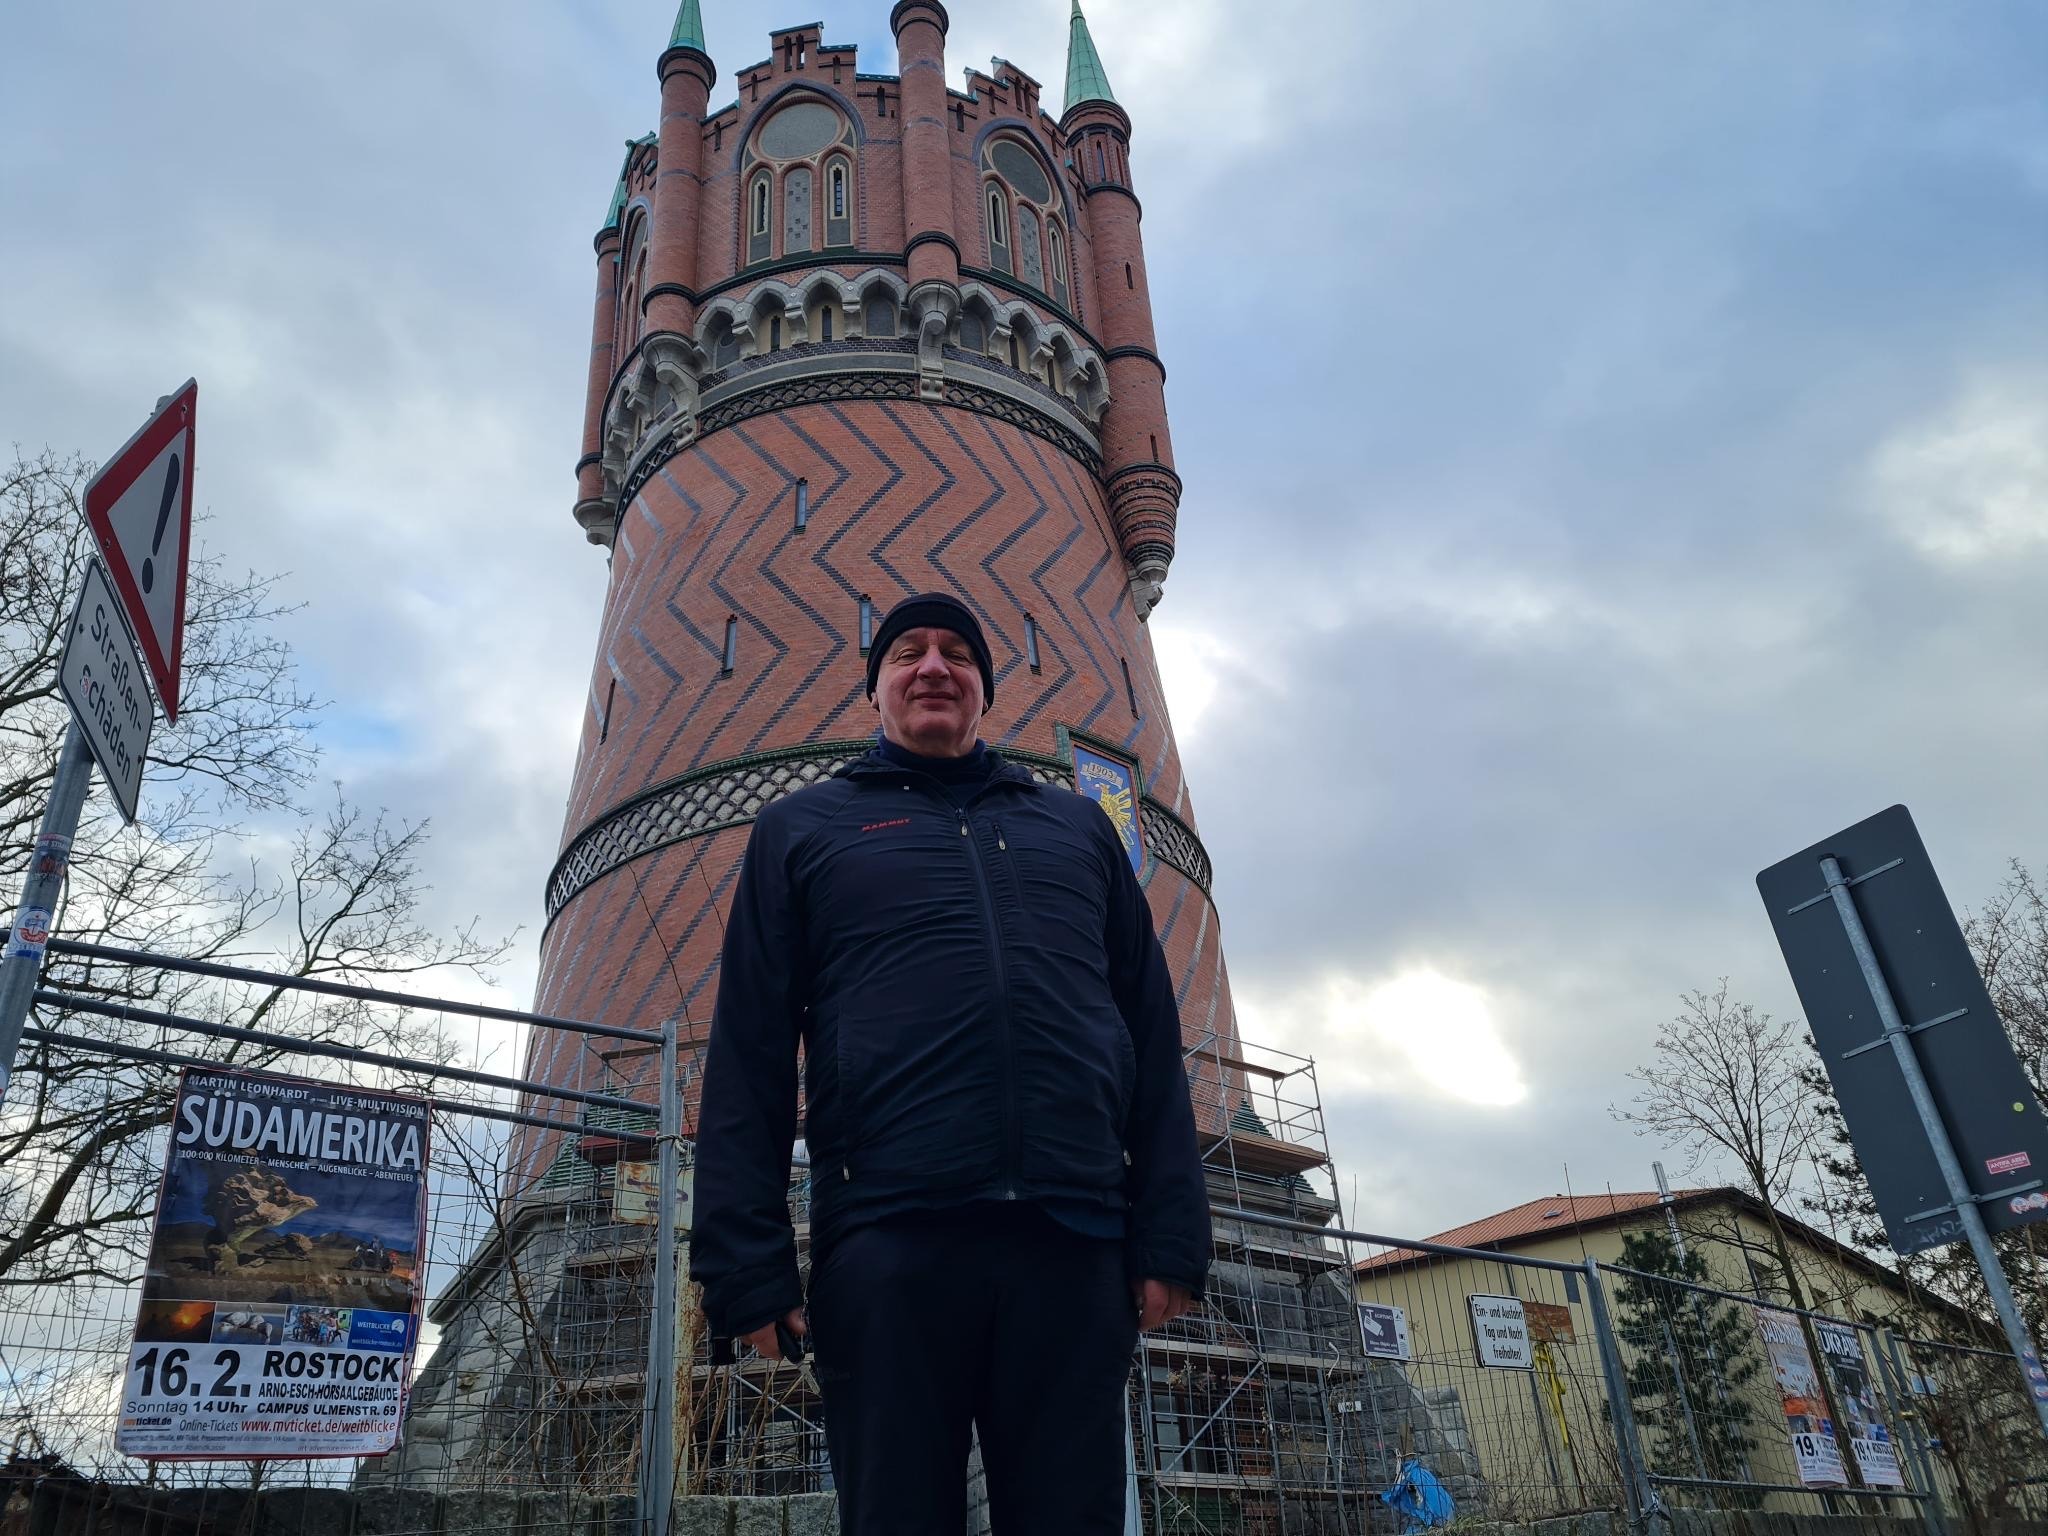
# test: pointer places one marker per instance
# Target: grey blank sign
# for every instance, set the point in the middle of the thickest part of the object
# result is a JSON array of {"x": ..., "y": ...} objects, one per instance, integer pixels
[{"x": 1993, "y": 1120}]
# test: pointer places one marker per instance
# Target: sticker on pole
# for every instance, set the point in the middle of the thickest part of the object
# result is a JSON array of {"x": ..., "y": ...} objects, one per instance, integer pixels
[
  {"x": 101, "y": 679},
  {"x": 31, "y": 934},
  {"x": 281, "y": 1300},
  {"x": 139, "y": 507}
]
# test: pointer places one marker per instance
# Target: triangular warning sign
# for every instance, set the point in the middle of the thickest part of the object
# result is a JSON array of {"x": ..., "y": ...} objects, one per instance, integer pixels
[{"x": 139, "y": 507}]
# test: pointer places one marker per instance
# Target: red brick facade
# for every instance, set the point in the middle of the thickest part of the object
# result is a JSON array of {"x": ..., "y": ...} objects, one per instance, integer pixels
[{"x": 766, "y": 450}]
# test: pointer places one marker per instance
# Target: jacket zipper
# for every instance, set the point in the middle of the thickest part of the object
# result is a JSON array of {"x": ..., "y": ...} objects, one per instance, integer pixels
[{"x": 1012, "y": 1159}]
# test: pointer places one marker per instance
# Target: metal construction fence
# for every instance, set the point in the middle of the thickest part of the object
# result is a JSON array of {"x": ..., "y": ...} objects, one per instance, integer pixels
[{"x": 1332, "y": 1380}]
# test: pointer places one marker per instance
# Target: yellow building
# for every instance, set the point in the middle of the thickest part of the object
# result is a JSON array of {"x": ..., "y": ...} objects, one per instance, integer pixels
[{"x": 1513, "y": 1344}]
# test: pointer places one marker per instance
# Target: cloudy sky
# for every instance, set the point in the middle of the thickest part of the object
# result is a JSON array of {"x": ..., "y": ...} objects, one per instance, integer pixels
[{"x": 1616, "y": 445}]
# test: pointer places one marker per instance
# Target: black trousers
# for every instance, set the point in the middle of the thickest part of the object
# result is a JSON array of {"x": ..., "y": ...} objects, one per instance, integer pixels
[{"x": 1007, "y": 1323}]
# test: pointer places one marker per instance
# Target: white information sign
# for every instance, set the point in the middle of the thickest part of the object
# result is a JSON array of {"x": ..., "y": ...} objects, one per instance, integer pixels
[
  {"x": 281, "y": 1299},
  {"x": 1385, "y": 1331},
  {"x": 1500, "y": 1332},
  {"x": 101, "y": 678}
]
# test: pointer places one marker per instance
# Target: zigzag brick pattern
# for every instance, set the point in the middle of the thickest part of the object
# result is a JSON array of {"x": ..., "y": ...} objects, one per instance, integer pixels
[{"x": 901, "y": 496}]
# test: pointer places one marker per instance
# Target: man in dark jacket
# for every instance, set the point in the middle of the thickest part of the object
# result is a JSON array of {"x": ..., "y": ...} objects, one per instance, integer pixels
[{"x": 1005, "y": 1183}]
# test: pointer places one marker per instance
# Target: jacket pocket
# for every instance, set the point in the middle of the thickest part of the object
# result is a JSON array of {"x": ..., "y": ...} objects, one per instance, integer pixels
[
  {"x": 845, "y": 1056},
  {"x": 1126, "y": 1075}
]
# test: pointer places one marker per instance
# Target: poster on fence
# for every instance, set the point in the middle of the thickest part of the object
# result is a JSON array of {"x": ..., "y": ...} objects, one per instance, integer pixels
[
  {"x": 1814, "y": 1446},
  {"x": 281, "y": 1300},
  {"x": 1870, "y": 1441}
]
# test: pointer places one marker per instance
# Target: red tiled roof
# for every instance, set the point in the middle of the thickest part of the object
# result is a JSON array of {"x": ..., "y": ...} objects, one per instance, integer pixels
[{"x": 1538, "y": 1218}]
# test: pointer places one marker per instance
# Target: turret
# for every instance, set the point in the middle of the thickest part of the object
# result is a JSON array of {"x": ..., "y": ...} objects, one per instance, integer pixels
[
  {"x": 1137, "y": 452},
  {"x": 930, "y": 244},
  {"x": 687, "y": 75},
  {"x": 593, "y": 507}
]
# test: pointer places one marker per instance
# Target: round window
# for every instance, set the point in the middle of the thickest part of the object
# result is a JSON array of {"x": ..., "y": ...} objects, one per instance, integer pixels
[
  {"x": 1020, "y": 168},
  {"x": 799, "y": 129}
]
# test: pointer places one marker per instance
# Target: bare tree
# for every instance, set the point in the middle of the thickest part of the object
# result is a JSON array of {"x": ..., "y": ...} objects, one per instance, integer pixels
[
  {"x": 223, "y": 865},
  {"x": 1726, "y": 1088}
]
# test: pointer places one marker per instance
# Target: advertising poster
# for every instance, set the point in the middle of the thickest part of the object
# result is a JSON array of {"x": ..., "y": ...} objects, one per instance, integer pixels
[
  {"x": 1806, "y": 1414},
  {"x": 1870, "y": 1441},
  {"x": 281, "y": 1301}
]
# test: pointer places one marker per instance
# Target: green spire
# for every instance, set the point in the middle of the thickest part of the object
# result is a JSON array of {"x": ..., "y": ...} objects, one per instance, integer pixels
[
  {"x": 689, "y": 32},
  {"x": 1086, "y": 80}
]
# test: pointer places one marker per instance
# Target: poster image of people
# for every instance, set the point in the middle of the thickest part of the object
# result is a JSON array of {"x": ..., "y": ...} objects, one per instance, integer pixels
[
  {"x": 1870, "y": 1440},
  {"x": 281, "y": 1298},
  {"x": 1814, "y": 1447}
]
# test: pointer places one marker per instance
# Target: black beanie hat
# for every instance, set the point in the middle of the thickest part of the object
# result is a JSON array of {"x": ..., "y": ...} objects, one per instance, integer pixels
[{"x": 934, "y": 610}]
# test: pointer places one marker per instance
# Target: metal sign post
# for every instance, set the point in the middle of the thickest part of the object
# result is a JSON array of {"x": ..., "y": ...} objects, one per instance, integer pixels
[
  {"x": 22, "y": 963},
  {"x": 1962, "y": 1199},
  {"x": 1894, "y": 951},
  {"x": 139, "y": 508}
]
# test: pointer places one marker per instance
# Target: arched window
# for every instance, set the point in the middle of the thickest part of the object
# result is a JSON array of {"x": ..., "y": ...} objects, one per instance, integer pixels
[
  {"x": 973, "y": 331},
  {"x": 838, "y": 201},
  {"x": 1022, "y": 199},
  {"x": 758, "y": 199},
  {"x": 807, "y": 147},
  {"x": 1056, "y": 262},
  {"x": 878, "y": 314},
  {"x": 632, "y": 280},
  {"x": 1030, "y": 258},
  {"x": 775, "y": 333},
  {"x": 725, "y": 345},
  {"x": 796, "y": 211},
  {"x": 998, "y": 226}
]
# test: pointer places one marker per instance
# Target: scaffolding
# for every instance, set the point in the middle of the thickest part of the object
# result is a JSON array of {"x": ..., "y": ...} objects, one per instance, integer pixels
[{"x": 1261, "y": 1411}]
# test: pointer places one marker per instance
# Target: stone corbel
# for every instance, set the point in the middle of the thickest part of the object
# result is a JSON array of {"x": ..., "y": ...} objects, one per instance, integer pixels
[{"x": 932, "y": 307}]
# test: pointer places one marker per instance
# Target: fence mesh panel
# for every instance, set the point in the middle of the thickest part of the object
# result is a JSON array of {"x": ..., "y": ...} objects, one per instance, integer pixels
[{"x": 1325, "y": 1379}]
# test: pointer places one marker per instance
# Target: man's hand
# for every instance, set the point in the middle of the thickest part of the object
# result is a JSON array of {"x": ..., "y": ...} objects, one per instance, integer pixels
[
  {"x": 1159, "y": 1303},
  {"x": 763, "y": 1338}
]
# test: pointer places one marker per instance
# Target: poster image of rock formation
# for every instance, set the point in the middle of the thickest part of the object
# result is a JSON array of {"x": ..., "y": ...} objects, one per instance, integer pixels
[{"x": 281, "y": 1299}]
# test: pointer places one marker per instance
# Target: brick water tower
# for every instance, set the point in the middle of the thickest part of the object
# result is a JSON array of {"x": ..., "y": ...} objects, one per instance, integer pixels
[{"x": 859, "y": 335}]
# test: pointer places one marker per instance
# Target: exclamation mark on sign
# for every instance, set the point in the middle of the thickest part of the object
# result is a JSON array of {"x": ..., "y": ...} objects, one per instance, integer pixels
[{"x": 163, "y": 519}]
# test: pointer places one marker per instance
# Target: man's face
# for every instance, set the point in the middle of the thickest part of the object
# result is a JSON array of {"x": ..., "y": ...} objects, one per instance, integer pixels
[{"x": 929, "y": 693}]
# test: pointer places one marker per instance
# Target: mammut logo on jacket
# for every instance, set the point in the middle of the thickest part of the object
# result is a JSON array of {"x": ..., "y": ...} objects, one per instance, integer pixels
[{"x": 877, "y": 826}]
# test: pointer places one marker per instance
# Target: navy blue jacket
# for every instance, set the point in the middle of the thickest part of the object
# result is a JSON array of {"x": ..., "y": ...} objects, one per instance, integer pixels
[{"x": 986, "y": 1015}]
